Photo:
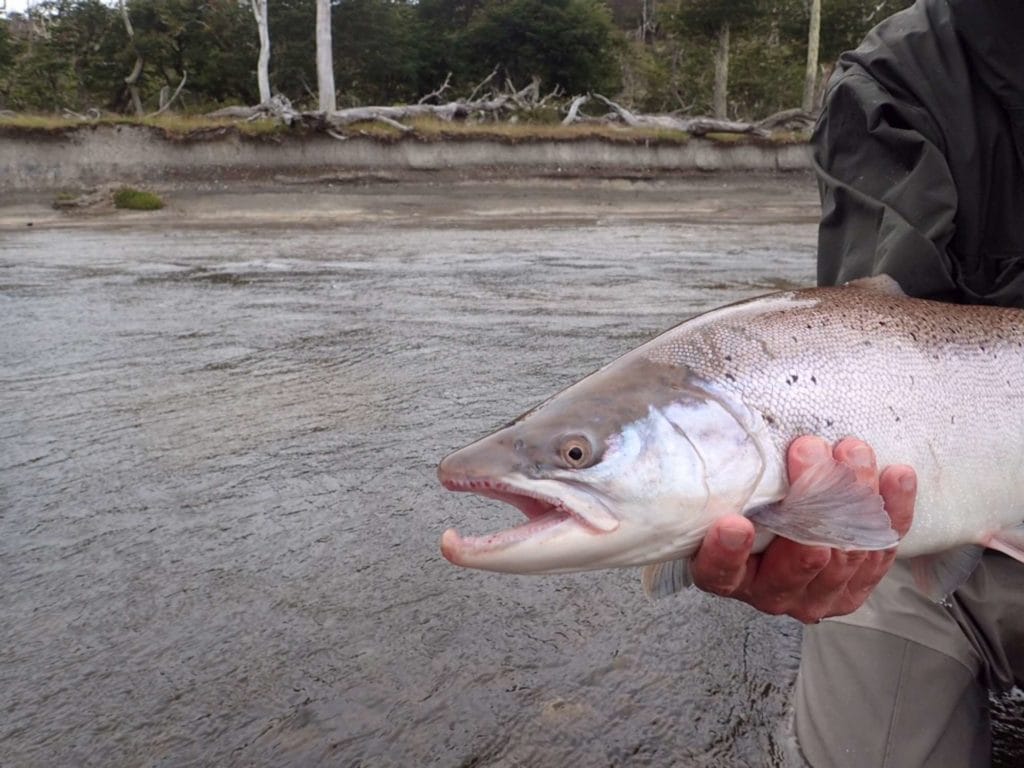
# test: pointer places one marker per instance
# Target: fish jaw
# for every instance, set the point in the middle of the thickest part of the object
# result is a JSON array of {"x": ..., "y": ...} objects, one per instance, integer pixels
[
  {"x": 566, "y": 527},
  {"x": 569, "y": 528}
]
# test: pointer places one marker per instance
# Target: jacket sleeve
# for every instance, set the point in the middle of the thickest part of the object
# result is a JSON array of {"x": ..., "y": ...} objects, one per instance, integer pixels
[{"x": 888, "y": 197}]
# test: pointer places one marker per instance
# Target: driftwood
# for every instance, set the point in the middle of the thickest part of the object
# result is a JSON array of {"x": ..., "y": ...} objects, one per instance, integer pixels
[
  {"x": 508, "y": 103},
  {"x": 90, "y": 114},
  {"x": 492, "y": 104},
  {"x": 695, "y": 126},
  {"x": 574, "y": 109},
  {"x": 485, "y": 81},
  {"x": 277, "y": 107},
  {"x": 437, "y": 94},
  {"x": 788, "y": 120}
]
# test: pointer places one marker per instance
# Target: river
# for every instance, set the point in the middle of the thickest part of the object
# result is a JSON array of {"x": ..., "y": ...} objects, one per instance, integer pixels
[{"x": 219, "y": 514}]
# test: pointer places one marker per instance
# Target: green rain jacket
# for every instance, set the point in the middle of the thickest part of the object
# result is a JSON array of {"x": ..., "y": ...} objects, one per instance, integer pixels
[{"x": 919, "y": 153}]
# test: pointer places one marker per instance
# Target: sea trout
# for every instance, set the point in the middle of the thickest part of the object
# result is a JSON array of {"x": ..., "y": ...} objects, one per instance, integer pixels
[{"x": 630, "y": 465}]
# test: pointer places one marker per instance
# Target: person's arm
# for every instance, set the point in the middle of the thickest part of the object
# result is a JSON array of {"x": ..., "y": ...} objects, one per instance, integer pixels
[
  {"x": 888, "y": 197},
  {"x": 807, "y": 583}
]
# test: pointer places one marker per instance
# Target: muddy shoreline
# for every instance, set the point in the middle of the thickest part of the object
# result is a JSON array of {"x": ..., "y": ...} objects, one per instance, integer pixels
[{"x": 443, "y": 199}]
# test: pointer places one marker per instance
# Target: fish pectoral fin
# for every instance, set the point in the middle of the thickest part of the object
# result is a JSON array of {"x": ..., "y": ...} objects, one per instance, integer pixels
[
  {"x": 1009, "y": 541},
  {"x": 939, "y": 574},
  {"x": 826, "y": 506},
  {"x": 667, "y": 578}
]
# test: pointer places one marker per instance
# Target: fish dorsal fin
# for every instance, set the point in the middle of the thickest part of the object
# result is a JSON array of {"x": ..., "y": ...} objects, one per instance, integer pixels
[
  {"x": 1009, "y": 541},
  {"x": 939, "y": 574},
  {"x": 878, "y": 284},
  {"x": 667, "y": 578},
  {"x": 826, "y": 506}
]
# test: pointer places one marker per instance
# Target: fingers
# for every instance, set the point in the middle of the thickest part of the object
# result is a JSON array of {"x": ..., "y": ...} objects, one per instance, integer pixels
[
  {"x": 786, "y": 571},
  {"x": 862, "y": 581},
  {"x": 858, "y": 456},
  {"x": 804, "y": 453},
  {"x": 808, "y": 583},
  {"x": 898, "y": 486},
  {"x": 723, "y": 564}
]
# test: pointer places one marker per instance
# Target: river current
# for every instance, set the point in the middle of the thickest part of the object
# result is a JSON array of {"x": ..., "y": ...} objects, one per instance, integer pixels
[{"x": 219, "y": 514}]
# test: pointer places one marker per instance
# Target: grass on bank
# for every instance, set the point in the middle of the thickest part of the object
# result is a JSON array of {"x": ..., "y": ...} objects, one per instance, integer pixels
[
  {"x": 171, "y": 124},
  {"x": 428, "y": 129},
  {"x": 132, "y": 199}
]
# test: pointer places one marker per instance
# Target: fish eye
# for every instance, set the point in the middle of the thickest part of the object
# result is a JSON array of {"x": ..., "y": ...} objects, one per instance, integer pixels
[{"x": 576, "y": 451}]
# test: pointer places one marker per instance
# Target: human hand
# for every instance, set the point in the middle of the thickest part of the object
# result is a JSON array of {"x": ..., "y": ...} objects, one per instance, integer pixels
[{"x": 805, "y": 582}]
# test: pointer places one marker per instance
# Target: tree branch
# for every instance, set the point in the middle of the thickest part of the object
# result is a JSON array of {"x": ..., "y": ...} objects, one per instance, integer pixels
[
  {"x": 184, "y": 77},
  {"x": 438, "y": 92},
  {"x": 574, "y": 108}
]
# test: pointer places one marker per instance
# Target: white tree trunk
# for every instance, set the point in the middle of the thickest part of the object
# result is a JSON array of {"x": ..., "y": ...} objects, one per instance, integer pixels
[
  {"x": 648, "y": 22},
  {"x": 324, "y": 56},
  {"x": 719, "y": 98},
  {"x": 259, "y": 10},
  {"x": 810, "y": 74},
  {"x": 132, "y": 81}
]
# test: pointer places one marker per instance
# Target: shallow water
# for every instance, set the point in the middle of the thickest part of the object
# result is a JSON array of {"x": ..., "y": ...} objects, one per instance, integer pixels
[{"x": 219, "y": 515}]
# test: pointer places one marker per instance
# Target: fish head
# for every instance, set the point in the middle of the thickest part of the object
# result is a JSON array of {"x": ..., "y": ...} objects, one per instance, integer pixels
[{"x": 618, "y": 470}]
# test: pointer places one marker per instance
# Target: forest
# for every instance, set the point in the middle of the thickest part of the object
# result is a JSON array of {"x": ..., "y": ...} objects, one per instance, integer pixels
[{"x": 652, "y": 55}]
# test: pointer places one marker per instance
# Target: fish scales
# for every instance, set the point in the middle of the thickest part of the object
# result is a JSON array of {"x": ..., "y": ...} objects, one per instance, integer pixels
[{"x": 938, "y": 387}]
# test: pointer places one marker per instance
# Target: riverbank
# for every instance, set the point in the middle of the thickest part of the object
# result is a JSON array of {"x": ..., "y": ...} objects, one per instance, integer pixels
[
  {"x": 36, "y": 160},
  {"x": 443, "y": 198}
]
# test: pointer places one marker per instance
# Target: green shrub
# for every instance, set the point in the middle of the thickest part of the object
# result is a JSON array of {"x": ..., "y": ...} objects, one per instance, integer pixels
[{"x": 136, "y": 200}]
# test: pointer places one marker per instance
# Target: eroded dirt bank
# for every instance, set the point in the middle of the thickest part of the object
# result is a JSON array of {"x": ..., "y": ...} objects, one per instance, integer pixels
[{"x": 133, "y": 154}]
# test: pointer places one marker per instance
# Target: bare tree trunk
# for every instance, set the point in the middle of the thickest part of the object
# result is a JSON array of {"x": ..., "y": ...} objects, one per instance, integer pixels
[
  {"x": 813, "y": 33},
  {"x": 259, "y": 10},
  {"x": 132, "y": 82},
  {"x": 324, "y": 56},
  {"x": 133, "y": 79},
  {"x": 648, "y": 21},
  {"x": 719, "y": 98}
]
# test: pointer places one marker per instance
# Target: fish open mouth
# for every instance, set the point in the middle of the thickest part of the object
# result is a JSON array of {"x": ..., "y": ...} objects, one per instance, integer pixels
[{"x": 542, "y": 512}]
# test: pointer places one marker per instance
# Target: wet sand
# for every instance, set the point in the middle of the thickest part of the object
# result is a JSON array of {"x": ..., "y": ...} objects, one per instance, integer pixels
[{"x": 439, "y": 199}]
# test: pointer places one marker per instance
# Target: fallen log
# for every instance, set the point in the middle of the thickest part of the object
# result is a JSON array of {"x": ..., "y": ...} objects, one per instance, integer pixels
[{"x": 695, "y": 126}]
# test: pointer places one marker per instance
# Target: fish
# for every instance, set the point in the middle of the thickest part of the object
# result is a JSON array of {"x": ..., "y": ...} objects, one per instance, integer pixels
[{"x": 632, "y": 464}]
